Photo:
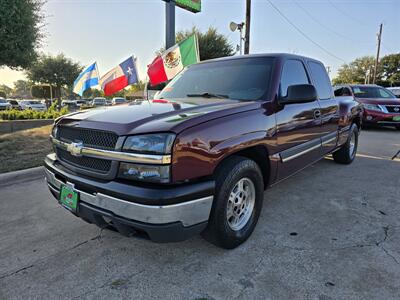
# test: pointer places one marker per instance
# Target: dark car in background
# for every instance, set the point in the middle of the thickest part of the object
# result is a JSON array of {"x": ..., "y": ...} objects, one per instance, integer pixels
[{"x": 381, "y": 107}]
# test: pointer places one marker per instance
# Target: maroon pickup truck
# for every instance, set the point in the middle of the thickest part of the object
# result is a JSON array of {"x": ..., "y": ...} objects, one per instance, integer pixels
[{"x": 198, "y": 158}]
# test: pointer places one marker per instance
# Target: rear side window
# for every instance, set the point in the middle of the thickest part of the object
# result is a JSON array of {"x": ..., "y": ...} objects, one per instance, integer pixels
[
  {"x": 321, "y": 79},
  {"x": 293, "y": 72}
]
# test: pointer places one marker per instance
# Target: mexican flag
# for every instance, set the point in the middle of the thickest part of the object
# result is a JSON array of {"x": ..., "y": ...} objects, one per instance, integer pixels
[{"x": 173, "y": 60}]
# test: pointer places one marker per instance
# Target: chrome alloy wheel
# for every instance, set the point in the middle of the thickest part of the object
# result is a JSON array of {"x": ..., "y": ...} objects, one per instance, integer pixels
[{"x": 241, "y": 204}]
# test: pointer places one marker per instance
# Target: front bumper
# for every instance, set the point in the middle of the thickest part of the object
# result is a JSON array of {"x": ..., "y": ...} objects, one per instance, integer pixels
[
  {"x": 380, "y": 118},
  {"x": 165, "y": 215}
]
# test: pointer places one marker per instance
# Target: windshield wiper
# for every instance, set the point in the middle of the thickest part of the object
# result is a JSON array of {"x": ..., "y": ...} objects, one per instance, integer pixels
[{"x": 208, "y": 95}]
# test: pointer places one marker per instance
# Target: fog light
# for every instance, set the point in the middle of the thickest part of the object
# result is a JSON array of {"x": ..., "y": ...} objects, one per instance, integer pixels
[
  {"x": 149, "y": 173},
  {"x": 369, "y": 118}
]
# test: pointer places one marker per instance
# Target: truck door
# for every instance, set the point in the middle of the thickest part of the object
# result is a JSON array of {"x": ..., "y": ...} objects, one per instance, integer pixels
[
  {"x": 328, "y": 103},
  {"x": 298, "y": 125}
]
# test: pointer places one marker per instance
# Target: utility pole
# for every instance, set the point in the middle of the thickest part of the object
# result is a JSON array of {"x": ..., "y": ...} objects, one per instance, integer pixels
[
  {"x": 169, "y": 23},
  {"x": 247, "y": 34},
  {"x": 377, "y": 52}
]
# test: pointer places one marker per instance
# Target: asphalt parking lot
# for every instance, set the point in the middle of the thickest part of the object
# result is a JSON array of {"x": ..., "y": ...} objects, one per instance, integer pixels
[{"x": 329, "y": 232}]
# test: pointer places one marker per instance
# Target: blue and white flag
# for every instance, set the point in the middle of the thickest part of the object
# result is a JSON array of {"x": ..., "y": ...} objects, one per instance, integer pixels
[{"x": 89, "y": 77}]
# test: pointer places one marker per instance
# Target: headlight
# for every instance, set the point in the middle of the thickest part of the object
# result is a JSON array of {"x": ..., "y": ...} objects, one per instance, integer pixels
[
  {"x": 372, "y": 107},
  {"x": 160, "y": 143},
  {"x": 149, "y": 173}
]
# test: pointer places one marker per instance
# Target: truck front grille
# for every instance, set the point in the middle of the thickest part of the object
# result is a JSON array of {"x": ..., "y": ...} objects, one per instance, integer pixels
[
  {"x": 84, "y": 162},
  {"x": 89, "y": 137},
  {"x": 92, "y": 138}
]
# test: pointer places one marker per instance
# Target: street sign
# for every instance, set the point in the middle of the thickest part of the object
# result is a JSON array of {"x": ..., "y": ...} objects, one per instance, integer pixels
[{"x": 190, "y": 5}]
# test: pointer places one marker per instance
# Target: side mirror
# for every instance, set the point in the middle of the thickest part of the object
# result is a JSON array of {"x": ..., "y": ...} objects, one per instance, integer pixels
[{"x": 299, "y": 93}]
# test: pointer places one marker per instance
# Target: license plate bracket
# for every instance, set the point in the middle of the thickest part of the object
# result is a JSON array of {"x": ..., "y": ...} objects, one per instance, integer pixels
[{"x": 69, "y": 198}]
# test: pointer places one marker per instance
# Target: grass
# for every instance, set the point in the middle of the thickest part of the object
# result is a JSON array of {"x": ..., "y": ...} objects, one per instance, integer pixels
[{"x": 24, "y": 149}]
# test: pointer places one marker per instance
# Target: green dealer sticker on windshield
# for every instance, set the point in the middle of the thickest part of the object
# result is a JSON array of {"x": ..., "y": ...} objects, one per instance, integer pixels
[{"x": 69, "y": 198}]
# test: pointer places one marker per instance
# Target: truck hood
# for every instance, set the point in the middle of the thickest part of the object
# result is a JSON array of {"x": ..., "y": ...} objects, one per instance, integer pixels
[
  {"x": 156, "y": 115},
  {"x": 379, "y": 101}
]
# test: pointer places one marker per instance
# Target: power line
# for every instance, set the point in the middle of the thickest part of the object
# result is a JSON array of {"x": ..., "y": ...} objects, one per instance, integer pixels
[
  {"x": 327, "y": 27},
  {"x": 303, "y": 33},
  {"x": 345, "y": 13}
]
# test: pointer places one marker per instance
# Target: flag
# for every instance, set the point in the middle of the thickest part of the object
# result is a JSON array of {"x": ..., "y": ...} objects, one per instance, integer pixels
[
  {"x": 120, "y": 77},
  {"x": 87, "y": 78},
  {"x": 173, "y": 60}
]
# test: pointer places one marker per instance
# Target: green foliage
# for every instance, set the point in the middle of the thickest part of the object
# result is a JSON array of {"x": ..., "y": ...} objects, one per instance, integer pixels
[
  {"x": 51, "y": 113},
  {"x": 5, "y": 90},
  {"x": 211, "y": 43},
  {"x": 390, "y": 65},
  {"x": 22, "y": 89},
  {"x": 92, "y": 93},
  {"x": 355, "y": 72},
  {"x": 388, "y": 73},
  {"x": 20, "y": 32},
  {"x": 56, "y": 70}
]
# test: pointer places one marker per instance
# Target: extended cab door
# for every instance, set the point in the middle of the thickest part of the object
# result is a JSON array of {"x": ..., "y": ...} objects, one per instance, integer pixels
[
  {"x": 328, "y": 103},
  {"x": 298, "y": 125}
]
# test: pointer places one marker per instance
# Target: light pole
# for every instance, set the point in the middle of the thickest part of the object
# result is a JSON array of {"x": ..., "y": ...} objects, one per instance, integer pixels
[{"x": 233, "y": 27}]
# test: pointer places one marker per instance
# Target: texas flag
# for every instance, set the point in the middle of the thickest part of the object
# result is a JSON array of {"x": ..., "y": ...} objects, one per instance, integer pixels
[{"x": 119, "y": 77}]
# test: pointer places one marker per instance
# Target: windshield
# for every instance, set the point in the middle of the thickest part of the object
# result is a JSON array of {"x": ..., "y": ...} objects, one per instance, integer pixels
[
  {"x": 372, "y": 92},
  {"x": 241, "y": 79}
]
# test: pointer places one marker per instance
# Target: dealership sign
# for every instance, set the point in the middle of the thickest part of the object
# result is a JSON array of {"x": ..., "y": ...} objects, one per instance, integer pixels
[{"x": 190, "y": 5}]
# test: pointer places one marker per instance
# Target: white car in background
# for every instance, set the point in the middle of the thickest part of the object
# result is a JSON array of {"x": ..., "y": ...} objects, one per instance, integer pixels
[
  {"x": 118, "y": 100},
  {"x": 32, "y": 105},
  {"x": 99, "y": 101},
  {"x": 4, "y": 104}
]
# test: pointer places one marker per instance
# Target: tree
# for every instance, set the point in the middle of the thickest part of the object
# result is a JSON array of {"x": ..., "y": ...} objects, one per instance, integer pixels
[
  {"x": 20, "y": 32},
  {"x": 211, "y": 43},
  {"x": 356, "y": 71},
  {"x": 59, "y": 71},
  {"x": 5, "y": 90},
  {"x": 390, "y": 65},
  {"x": 22, "y": 89},
  {"x": 93, "y": 93}
]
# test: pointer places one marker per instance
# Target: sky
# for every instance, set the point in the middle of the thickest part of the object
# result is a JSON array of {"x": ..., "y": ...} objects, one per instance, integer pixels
[{"x": 109, "y": 31}]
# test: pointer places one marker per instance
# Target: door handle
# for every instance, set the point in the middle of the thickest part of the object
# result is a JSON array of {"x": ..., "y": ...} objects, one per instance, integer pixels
[{"x": 317, "y": 114}]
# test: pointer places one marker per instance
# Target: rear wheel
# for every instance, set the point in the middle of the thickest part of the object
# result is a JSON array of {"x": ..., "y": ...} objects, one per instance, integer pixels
[
  {"x": 347, "y": 153},
  {"x": 237, "y": 203}
]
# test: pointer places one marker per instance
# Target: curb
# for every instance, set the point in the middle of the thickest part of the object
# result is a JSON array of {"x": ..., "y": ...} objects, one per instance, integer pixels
[{"x": 21, "y": 175}]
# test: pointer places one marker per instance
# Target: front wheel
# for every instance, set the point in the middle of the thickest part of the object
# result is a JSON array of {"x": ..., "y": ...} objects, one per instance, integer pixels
[
  {"x": 398, "y": 127},
  {"x": 347, "y": 153},
  {"x": 237, "y": 203}
]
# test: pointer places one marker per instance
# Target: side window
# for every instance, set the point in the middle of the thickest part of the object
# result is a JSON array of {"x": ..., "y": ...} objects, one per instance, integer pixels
[
  {"x": 346, "y": 92},
  {"x": 321, "y": 79},
  {"x": 293, "y": 72},
  {"x": 339, "y": 92}
]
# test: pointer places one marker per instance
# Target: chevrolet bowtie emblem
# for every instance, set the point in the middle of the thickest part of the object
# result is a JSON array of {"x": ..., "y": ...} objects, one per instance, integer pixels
[
  {"x": 75, "y": 149},
  {"x": 396, "y": 109}
]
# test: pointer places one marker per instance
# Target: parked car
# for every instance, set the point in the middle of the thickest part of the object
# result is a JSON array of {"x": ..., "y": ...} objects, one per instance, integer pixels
[
  {"x": 32, "y": 105},
  {"x": 99, "y": 101},
  {"x": 81, "y": 102},
  {"x": 395, "y": 91},
  {"x": 14, "y": 104},
  {"x": 108, "y": 102},
  {"x": 118, "y": 100},
  {"x": 198, "y": 158},
  {"x": 71, "y": 104},
  {"x": 4, "y": 104},
  {"x": 381, "y": 107}
]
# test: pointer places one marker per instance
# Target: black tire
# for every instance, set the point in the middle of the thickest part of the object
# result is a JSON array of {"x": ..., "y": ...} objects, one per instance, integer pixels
[
  {"x": 398, "y": 127},
  {"x": 346, "y": 154},
  {"x": 219, "y": 231}
]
